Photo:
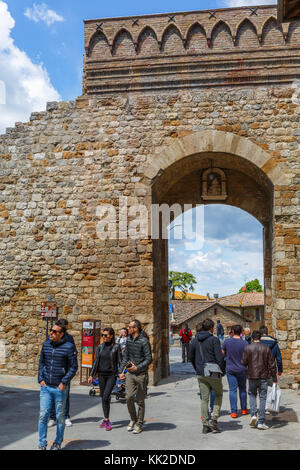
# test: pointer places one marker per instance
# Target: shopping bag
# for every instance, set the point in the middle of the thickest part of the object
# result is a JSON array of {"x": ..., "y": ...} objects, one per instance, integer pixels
[{"x": 273, "y": 398}]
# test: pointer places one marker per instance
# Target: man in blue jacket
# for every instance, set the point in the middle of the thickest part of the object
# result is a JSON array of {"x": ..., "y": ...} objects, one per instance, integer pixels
[
  {"x": 52, "y": 420},
  {"x": 57, "y": 366}
]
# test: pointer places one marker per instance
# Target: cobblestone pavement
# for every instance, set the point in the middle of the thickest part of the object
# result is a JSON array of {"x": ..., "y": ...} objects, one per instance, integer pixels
[{"x": 172, "y": 419}]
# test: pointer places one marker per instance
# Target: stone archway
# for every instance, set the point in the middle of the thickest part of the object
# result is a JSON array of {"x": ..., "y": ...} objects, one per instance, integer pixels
[{"x": 174, "y": 176}]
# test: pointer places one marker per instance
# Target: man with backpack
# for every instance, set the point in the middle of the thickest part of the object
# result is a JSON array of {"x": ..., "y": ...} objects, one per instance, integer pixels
[{"x": 185, "y": 338}]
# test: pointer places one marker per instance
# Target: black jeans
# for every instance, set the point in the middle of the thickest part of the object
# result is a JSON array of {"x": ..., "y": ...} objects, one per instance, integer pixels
[
  {"x": 106, "y": 384},
  {"x": 67, "y": 409}
]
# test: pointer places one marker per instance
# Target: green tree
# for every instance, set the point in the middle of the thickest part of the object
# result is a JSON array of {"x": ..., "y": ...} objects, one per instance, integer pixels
[
  {"x": 183, "y": 281},
  {"x": 252, "y": 286}
]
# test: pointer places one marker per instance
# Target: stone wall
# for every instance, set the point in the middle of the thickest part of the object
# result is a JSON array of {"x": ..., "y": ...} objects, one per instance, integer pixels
[{"x": 58, "y": 168}]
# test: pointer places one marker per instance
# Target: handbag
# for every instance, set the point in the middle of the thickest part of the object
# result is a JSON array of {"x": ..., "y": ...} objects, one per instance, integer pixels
[
  {"x": 273, "y": 398},
  {"x": 211, "y": 369}
]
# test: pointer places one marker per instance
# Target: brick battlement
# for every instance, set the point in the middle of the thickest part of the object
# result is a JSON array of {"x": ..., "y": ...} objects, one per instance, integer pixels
[{"x": 234, "y": 46}]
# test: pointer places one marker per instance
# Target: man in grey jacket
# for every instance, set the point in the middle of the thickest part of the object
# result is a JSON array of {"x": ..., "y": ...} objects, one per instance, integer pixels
[{"x": 136, "y": 359}]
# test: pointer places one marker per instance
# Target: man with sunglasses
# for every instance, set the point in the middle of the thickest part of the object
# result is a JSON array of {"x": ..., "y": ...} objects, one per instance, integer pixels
[
  {"x": 57, "y": 366},
  {"x": 136, "y": 359}
]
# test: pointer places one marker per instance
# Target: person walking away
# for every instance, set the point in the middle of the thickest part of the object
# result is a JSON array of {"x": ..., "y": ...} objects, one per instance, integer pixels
[
  {"x": 220, "y": 331},
  {"x": 247, "y": 335},
  {"x": 211, "y": 392},
  {"x": 185, "y": 338},
  {"x": 136, "y": 359},
  {"x": 236, "y": 372},
  {"x": 273, "y": 345},
  {"x": 52, "y": 420},
  {"x": 106, "y": 366},
  {"x": 57, "y": 366},
  {"x": 207, "y": 359},
  {"x": 261, "y": 367}
]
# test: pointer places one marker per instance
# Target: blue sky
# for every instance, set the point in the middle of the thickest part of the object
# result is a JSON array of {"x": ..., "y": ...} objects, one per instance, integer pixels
[{"x": 41, "y": 54}]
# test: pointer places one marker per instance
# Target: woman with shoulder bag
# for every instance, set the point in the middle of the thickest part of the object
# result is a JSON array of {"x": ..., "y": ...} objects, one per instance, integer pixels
[{"x": 106, "y": 366}]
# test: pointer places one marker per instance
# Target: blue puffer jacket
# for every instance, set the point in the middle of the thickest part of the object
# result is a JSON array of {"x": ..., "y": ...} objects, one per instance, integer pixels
[
  {"x": 273, "y": 345},
  {"x": 58, "y": 362}
]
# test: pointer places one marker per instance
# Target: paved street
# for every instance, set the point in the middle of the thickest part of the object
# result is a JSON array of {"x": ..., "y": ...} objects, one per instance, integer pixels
[{"x": 172, "y": 419}]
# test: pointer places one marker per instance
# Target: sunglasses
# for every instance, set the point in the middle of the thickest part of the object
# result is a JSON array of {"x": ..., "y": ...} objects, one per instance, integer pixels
[
  {"x": 105, "y": 336},
  {"x": 55, "y": 331}
]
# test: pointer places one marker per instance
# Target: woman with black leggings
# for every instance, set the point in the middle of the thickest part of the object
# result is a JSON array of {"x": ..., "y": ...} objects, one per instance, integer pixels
[{"x": 106, "y": 366}]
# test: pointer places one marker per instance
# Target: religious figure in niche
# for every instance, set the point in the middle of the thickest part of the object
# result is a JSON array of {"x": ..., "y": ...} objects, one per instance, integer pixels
[{"x": 214, "y": 185}]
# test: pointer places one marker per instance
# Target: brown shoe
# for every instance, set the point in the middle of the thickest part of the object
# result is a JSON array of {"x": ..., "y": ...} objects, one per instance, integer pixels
[
  {"x": 213, "y": 424},
  {"x": 206, "y": 429}
]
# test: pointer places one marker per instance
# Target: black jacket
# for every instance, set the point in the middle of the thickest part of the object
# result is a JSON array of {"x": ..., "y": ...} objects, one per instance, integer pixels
[
  {"x": 211, "y": 350},
  {"x": 114, "y": 356},
  {"x": 138, "y": 351},
  {"x": 58, "y": 362}
]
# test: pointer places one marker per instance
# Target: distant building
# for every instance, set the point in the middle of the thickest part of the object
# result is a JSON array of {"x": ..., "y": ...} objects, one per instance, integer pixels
[{"x": 246, "y": 309}]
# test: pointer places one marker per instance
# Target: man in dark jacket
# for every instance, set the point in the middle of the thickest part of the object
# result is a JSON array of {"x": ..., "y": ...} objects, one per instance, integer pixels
[
  {"x": 57, "y": 367},
  {"x": 205, "y": 354},
  {"x": 273, "y": 345},
  {"x": 136, "y": 359},
  {"x": 261, "y": 367},
  {"x": 52, "y": 420}
]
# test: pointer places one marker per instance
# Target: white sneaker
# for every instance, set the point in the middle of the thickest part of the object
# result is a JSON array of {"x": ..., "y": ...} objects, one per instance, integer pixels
[
  {"x": 68, "y": 423},
  {"x": 263, "y": 427},
  {"x": 137, "y": 429},
  {"x": 130, "y": 426},
  {"x": 253, "y": 421},
  {"x": 51, "y": 423}
]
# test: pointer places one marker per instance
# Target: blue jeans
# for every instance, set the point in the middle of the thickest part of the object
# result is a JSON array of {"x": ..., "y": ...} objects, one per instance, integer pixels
[
  {"x": 237, "y": 380},
  {"x": 260, "y": 386},
  {"x": 48, "y": 396}
]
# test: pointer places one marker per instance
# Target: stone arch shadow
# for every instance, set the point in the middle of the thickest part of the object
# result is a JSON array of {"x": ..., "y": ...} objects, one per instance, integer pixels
[{"x": 173, "y": 175}]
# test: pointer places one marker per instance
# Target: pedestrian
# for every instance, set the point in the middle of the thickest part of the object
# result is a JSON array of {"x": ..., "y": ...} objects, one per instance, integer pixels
[
  {"x": 136, "y": 359},
  {"x": 261, "y": 367},
  {"x": 122, "y": 340},
  {"x": 52, "y": 420},
  {"x": 211, "y": 392},
  {"x": 57, "y": 366},
  {"x": 273, "y": 345},
  {"x": 185, "y": 338},
  {"x": 236, "y": 372},
  {"x": 207, "y": 360},
  {"x": 220, "y": 331},
  {"x": 247, "y": 335},
  {"x": 106, "y": 366}
]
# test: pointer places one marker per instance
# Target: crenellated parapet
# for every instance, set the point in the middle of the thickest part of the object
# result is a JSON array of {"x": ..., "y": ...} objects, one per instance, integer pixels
[{"x": 234, "y": 45}]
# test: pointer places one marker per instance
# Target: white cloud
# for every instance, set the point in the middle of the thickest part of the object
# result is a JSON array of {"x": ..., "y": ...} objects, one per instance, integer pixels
[
  {"x": 246, "y": 3},
  {"x": 27, "y": 85},
  {"x": 41, "y": 12}
]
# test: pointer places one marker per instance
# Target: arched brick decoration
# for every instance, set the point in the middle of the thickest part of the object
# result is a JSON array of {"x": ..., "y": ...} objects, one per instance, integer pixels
[
  {"x": 196, "y": 39},
  {"x": 246, "y": 35},
  {"x": 123, "y": 45},
  {"x": 99, "y": 47},
  {"x": 218, "y": 141},
  {"x": 172, "y": 42},
  {"x": 147, "y": 43},
  {"x": 221, "y": 37},
  {"x": 272, "y": 34},
  {"x": 294, "y": 33}
]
